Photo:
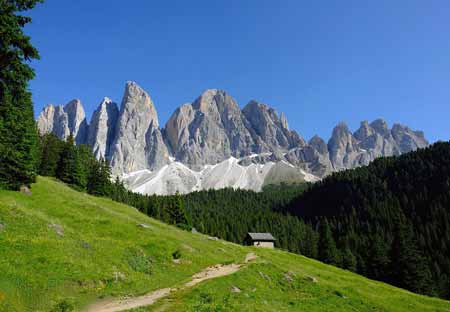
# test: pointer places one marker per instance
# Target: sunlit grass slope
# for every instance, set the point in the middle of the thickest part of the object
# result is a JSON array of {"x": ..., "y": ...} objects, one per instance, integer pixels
[{"x": 61, "y": 248}]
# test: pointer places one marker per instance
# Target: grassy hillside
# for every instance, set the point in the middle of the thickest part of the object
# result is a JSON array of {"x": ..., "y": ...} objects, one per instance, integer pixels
[{"x": 62, "y": 248}]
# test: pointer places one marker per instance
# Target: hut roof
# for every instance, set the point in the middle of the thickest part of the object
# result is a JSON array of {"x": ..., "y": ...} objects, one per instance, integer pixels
[{"x": 261, "y": 236}]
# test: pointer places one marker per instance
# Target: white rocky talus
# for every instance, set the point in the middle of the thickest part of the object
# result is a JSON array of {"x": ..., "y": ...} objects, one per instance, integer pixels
[{"x": 177, "y": 177}]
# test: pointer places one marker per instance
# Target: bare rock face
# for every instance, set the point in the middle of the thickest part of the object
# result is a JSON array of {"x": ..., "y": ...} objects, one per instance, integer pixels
[
  {"x": 270, "y": 131},
  {"x": 313, "y": 157},
  {"x": 407, "y": 139},
  {"x": 209, "y": 130},
  {"x": 343, "y": 148},
  {"x": 371, "y": 141},
  {"x": 77, "y": 123},
  {"x": 137, "y": 134},
  {"x": 63, "y": 121},
  {"x": 102, "y": 129}
]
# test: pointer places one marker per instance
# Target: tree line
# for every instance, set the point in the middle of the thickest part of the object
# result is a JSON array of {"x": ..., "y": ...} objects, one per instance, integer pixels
[{"x": 392, "y": 217}]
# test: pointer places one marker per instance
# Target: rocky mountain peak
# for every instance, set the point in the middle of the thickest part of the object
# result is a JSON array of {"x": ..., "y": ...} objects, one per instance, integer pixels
[
  {"x": 64, "y": 120},
  {"x": 137, "y": 127},
  {"x": 102, "y": 129},
  {"x": 318, "y": 144},
  {"x": 408, "y": 140},
  {"x": 380, "y": 126},
  {"x": 364, "y": 131},
  {"x": 136, "y": 100},
  {"x": 284, "y": 121},
  {"x": 270, "y": 128},
  {"x": 213, "y": 129},
  {"x": 77, "y": 122}
]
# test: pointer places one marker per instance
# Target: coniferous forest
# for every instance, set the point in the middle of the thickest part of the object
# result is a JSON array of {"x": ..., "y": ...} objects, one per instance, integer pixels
[{"x": 389, "y": 221}]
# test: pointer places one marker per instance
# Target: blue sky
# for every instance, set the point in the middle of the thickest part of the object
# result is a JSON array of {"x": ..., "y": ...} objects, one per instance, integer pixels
[{"x": 320, "y": 62}]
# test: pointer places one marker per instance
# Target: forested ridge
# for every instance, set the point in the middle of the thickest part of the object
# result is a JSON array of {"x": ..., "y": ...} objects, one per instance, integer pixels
[
  {"x": 393, "y": 216},
  {"x": 388, "y": 221}
]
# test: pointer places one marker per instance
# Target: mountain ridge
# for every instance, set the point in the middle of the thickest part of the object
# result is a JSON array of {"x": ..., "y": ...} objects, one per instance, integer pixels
[{"x": 211, "y": 130}]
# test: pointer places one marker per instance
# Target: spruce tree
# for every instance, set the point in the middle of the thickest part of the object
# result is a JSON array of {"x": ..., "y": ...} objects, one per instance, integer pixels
[
  {"x": 409, "y": 268},
  {"x": 377, "y": 267},
  {"x": 18, "y": 133},
  {"x": 99, "y": 182},
  {"x": 50, "y": 149},
  {"x": 177, "y": 211},
  {"x": 328, "y": 252},
  {"x": 67, "y": 162}
]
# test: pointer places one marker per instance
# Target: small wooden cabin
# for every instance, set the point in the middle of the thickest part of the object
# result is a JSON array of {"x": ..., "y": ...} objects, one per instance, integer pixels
[{"x": 264, "y": 240}]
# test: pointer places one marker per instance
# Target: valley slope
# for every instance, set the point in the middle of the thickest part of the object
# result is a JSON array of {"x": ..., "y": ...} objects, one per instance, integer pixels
[{"x": 62, "y": 248}]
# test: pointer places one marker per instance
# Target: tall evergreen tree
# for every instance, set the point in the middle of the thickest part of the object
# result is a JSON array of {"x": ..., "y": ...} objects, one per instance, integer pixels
[
  {"x": 328, "y": 252},
  {"x": 50, "y": 149},
  {"x": 67, "y": 164},
  {"x": 99, "y": 181},
  {"x": 176, "y": 211},
  {"x": 18, "y": 133},
  {"x": 377, "y": 267},
  {"x": 408, "y": 265}
]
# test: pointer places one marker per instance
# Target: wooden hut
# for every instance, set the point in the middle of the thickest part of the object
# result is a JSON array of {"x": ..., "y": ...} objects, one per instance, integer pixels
[{"x": 265, "y": 240}]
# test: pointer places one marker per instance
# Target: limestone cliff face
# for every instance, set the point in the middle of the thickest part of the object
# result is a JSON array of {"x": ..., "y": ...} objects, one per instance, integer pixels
[
  {"x": 213, "y": 129},
  {"x": 102, "y": 130},
  {"x": 371, "y": 141},
  {"x": 209, "y": 130},
  {"x": 64, "y": 121},
  {"x": 137, "y": 134},
  {"x": 269, "y": 129}
]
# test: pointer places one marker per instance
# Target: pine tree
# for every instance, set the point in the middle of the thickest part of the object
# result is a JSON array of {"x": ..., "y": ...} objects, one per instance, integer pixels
[
  {"x": 328, "y": 252},
  {"x": 177, "y": 212},
  {"x": 67, "y": 164},
  {"x": 99, "y": 178},
  {"x": 50, "y": 149},
  {"x": 348, "y": 260},
  {"x": 377, "y": 267},
  {"x": 18, "y": 133},
  {"x": 409, "y": 268}
]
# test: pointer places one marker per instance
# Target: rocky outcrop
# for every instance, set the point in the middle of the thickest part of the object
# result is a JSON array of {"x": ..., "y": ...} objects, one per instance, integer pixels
[
  {"x": 343, "y": 148},
  {"x": 64, "y": 121},
  {"x": 102, "y": 130},
  {"x": 407, "y": 139},
  {"x": 371, "y": 141},
  {"x": 137, "y": 134},
  {"x": 213, "y": 143},
  {"x": 77, "y": 123},
  {"x": 209, "y": 130},
  {"x": 313, "y": 157},
  {"x": 270, "y": 131}
]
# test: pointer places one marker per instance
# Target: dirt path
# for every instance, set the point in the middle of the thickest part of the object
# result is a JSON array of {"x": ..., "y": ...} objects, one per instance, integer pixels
[{"x": 114, "y": 305}]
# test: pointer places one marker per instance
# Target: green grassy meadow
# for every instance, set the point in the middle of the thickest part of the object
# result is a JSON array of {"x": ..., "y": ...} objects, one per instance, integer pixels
[{"x": 61, "y": 249}]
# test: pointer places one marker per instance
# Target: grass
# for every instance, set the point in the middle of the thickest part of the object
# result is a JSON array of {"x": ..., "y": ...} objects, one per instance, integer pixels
[
  {"x": 280, "y": 281},
  {"x": 61, "y": 249}
]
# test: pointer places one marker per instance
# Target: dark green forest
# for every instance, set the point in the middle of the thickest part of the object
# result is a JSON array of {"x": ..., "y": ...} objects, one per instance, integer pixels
[
  {"x": 392, "y": 216},
  {"x": 388, "y": 221}
]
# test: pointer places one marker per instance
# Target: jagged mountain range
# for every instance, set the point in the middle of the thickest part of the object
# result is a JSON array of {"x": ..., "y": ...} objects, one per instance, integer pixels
[{"x": 212, "y": 143}]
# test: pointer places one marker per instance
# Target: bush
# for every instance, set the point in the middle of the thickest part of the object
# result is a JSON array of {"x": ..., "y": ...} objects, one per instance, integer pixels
[
  {"x": 138, "y": 260},
  {"x": 64, "y": 306},
  {"x": 176, "y": 254}
]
